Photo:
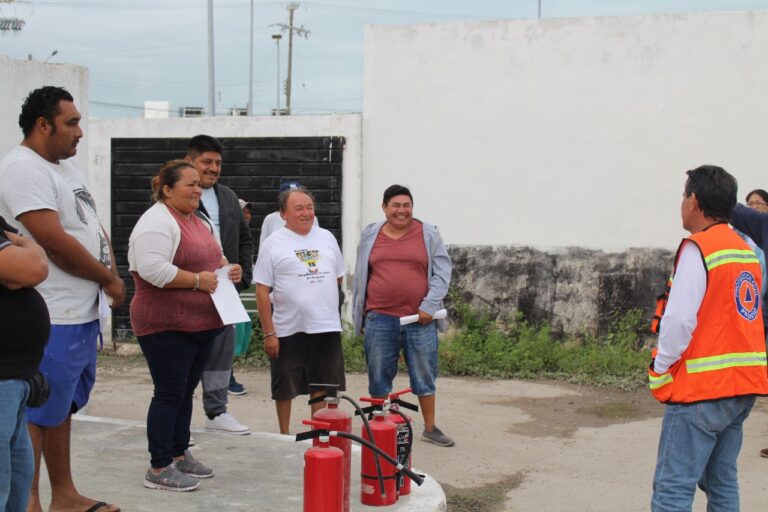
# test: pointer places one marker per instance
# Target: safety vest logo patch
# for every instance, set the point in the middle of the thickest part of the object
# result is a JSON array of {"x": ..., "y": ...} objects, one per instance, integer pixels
[{"x": 747, "y": 296}]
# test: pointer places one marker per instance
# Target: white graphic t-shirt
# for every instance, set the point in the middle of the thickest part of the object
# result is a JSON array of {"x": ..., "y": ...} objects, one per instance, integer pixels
[
  {"x": 28, "y": 182},
  {"x": 303, "y": 272}
]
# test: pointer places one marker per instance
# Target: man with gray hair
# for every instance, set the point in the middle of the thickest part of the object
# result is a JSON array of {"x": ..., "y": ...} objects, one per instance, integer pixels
[{"x": 302, "y": 265}]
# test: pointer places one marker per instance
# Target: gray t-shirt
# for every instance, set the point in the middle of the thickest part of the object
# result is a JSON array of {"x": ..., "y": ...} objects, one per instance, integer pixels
[{"x": 28, "y": 182}]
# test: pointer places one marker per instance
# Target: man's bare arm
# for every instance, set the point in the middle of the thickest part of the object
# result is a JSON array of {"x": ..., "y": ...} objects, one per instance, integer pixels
[
  {"x": 69, "y": 254},
  {"x": 271, "y": 342}
]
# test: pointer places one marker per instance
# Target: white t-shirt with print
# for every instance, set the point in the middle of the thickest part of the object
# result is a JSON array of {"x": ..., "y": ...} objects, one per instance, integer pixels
[
  {"x": 303, "y": 272},
  {"x": 28, "y": 182}
]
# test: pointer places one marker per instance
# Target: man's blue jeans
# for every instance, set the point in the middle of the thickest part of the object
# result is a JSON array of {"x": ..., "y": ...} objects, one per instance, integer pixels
[
  {"x": 699, "y": 445},
  {"x": 385, "y": 338},
  {"x": 17, "y": 464}
]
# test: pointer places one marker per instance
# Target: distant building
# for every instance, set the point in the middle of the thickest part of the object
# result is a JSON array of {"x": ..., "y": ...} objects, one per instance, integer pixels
[{"x": 157, "y": 109}]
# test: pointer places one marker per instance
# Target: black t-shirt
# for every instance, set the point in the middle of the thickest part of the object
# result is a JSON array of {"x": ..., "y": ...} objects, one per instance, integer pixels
[{"x": 26, "y": 326}]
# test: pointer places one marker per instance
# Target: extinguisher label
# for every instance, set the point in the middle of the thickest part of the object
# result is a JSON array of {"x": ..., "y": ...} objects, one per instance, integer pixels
[
  {"x": 366, "y": 488},
  {"x": 402, "y": 450}
]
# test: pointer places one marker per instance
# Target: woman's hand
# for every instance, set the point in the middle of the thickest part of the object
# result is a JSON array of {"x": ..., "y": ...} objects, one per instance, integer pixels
[
  {"x": 208, "y": 282},
  {"x": 235, "y": 273}
]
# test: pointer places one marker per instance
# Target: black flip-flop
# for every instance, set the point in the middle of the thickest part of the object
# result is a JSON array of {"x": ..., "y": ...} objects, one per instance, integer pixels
[{"x": 96, "y": 506}]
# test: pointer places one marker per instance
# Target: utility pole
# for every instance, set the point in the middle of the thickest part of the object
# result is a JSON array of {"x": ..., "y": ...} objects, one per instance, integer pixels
[
  {"x": 539, "y": 9},
  {"x": 211, "y": 77},
  {"x": 250, "y": 68},
  {"x": 277, "y": 38},
  {"x": 300, "y": 31}
]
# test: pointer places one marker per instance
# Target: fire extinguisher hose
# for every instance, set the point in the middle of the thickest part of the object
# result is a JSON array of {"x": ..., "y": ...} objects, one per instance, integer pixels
[
  {"x": 367, "y": 426},
  {"x": 419, "y": 479}
]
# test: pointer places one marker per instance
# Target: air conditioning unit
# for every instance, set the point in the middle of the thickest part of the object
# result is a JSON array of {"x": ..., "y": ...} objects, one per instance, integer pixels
[
  {"x": 238, "y": 111},
  {"x": 191, "y": 112}
]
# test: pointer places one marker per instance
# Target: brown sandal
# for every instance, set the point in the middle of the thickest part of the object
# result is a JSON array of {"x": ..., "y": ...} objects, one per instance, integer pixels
[{"x": 764, "y": 453}]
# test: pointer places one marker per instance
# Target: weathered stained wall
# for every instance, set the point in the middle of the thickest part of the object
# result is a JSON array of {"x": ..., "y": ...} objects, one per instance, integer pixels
[{"x": 574, "y": 290}]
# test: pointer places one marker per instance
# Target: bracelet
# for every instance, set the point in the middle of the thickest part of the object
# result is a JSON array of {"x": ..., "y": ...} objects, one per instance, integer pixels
[
  {"x": 197, "y": 282},
  {"x": 269, "y": 335}
]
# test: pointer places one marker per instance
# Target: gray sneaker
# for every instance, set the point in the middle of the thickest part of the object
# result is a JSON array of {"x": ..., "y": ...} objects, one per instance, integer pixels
[
  {"x": 437, "y": 437},
  {"x": 191, "y": 467},
  {"x": 170, "y": 479}
]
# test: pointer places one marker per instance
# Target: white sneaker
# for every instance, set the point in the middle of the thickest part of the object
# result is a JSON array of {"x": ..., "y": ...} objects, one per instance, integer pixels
[{"x": 225, "y": 423}]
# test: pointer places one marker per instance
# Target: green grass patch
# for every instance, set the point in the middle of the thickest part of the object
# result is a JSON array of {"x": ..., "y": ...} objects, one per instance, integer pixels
[
  {"x": 484, "y": 347},
  {"x": 487, "y": 347}
]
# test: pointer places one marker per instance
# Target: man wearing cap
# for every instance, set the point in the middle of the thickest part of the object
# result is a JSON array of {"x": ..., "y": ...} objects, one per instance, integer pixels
[
  {"x": 222, "y": 206},
  {"x": 274, "y": 221}
]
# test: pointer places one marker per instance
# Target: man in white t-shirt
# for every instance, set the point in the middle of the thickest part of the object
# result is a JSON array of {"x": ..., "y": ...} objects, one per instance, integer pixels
[
  {"x": 274, "y": 220},
  {"x": 303, "y": 266},
  {"x": 48, "y": 196}
]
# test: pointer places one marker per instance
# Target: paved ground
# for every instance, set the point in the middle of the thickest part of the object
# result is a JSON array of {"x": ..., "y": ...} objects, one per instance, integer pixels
[
  {"x": 520, "y": 445},
  {"x": 259, "y": 472}
]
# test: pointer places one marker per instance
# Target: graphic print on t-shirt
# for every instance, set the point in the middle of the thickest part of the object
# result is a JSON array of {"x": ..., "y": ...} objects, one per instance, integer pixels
[
  {"x": 309, "y": 257},
  {"x": 84, "y": 203}
]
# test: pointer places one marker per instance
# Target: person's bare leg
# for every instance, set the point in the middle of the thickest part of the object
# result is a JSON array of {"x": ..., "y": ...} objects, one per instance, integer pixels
[
  {"x": 427, "y": 404},
  {"x": 319, "y": 405},
  {"x": 64, "y": 495},
  {"x": 37, "y": 435},
  {"x": 283, "y": 415}
]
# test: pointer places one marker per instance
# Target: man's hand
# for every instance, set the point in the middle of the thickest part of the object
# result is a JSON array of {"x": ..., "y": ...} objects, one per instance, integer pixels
[
  {"x": 235, "y": 273},
  {"x": 272, "y": 347},
  {"x": 424, "y": 318},
  {"x": 115, "y": 289}
]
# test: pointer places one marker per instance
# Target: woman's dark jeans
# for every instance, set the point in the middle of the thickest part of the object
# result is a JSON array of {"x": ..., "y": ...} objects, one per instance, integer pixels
[{"x": 176, "y": 361}]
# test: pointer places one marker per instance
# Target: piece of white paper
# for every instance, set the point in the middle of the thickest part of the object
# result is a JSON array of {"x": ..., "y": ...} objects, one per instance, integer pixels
[
  {"x": 105, "y": 312},
  {"x": 411, "y": 319},
  {"x": 227, "y": 300}
]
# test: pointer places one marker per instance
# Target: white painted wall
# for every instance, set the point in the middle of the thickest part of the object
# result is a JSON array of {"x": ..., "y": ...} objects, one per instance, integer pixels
[
  {"x": 346, "y": 125},
  {"x": 563, "y": 132},
  {"x": 19, "y": 78}
]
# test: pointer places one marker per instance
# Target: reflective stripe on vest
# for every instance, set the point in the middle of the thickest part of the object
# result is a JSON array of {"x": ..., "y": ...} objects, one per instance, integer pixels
[
  {"x": 712, "y": 363},
  {"x": 661, "y": 380},
  {"x": 730, "y": 256}
]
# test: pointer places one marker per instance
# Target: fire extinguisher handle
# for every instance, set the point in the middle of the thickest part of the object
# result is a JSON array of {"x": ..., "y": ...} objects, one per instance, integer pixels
[
  {"x": 397, "y": 394},
  {"x": 367, "y": 410},
  {"x": 406, "y": 405},
  {"x": 321, "y": 425},
  {"x": 374, "y": 401}
]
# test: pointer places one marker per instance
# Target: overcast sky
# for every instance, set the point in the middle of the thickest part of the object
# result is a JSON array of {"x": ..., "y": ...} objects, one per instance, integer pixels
[{"x": 140, "y": 50}]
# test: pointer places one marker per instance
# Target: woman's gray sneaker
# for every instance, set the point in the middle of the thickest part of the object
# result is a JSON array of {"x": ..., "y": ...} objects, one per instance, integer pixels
[
  {"x": 170, "y": 479},
  {"x": 190, "y": 467}
]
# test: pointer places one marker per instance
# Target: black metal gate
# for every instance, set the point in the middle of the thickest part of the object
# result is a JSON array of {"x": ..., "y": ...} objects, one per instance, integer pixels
[{"x": 253, "y": 168}]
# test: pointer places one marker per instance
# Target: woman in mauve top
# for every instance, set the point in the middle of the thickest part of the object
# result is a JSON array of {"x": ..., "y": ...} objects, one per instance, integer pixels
[{"x": 172, "y": 256}]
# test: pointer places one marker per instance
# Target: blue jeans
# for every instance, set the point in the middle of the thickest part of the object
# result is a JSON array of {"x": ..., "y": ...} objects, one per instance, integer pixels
[
  {"x": 384, "y": 338},
  {"x": 176, "y": 361},
  {"x": 699, "y": 444},
  {"x": 17, "y": 465}
]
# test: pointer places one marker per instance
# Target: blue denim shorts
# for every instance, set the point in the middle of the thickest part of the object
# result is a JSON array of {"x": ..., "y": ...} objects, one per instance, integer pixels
[
  {"x": 69, "y": 364},
  {"x": 384, "y": 338}
]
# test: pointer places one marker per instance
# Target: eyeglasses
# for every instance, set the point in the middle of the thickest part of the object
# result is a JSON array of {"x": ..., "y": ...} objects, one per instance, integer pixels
[{"x": 757, "y": 204}]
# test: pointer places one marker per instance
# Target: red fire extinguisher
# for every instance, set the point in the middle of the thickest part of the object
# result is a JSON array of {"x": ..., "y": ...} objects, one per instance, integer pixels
[
  {"x": 323, "y": 432},
  {"x": 385, "y": 437},
  {"x": 338, "y": 420},
  {"x": 404, "y": 435},
  {"x": 323, "y": 474}
]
